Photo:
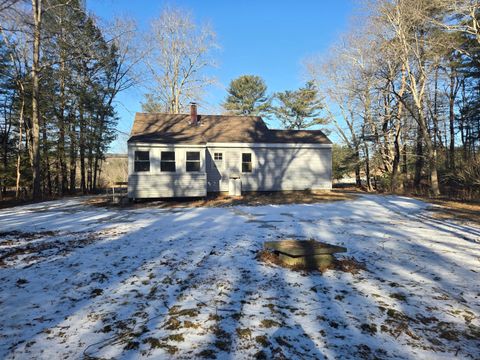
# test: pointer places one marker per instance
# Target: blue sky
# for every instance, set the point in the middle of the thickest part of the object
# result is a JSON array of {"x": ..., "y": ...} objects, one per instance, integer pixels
[{"x": 265, "y": 38}]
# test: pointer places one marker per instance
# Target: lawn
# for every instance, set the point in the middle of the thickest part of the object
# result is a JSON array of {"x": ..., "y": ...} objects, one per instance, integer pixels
[{"x": 79, "y": 280}]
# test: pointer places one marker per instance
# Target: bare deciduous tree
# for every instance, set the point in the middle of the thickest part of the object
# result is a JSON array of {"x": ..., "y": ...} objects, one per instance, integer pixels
[
  {"x": 37, "y": 21},
  {"x": 180, "y": 52}
]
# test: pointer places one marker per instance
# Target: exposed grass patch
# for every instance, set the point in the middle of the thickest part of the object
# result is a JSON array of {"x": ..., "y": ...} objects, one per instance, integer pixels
[
  {"x": 369, "y": 328},
  {"x": 132, "y": 345},
  {"x": 260, "y": 355},
  {"x": 208, "y": 354},
  {"x": 247, "y": 198},
  {"x": 398, "y": 296},
  {"x": 175, "y": 337},
  {"x": 42, "y": 250},
  {"x": 214, "y": 317},
  {"x": 96, "y": 292},
  {"x": 153, "y": 342},
  {"x": 222, "y": 345},
  {"x": 456, "y": 210},
  {"x": 268, "y": 323},
  {"x": 106, "y": 329},
  {"x": 262, "y": 340},
  {"x": 245, "y": 333},
  {"x": 397, "y": 315},
  {"x": 187, "y": 312},
  {"x": 190, "y": 325},
  {"x": 172, "y": 323}
]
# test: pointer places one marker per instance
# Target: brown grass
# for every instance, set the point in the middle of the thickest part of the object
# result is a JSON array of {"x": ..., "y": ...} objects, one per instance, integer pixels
[
  {"x": 455, "y": 210},
  {"x": 222, "y": 200}
]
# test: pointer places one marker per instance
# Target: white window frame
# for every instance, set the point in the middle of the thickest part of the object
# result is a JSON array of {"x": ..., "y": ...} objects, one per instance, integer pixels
[
  {"x": 218, "y": 162},
  {"x": 174, "y": 161},
  {"x": 135, "y": 161},
  {"x": 244, "y": 162},
  {"x": 199, "y": 161}
]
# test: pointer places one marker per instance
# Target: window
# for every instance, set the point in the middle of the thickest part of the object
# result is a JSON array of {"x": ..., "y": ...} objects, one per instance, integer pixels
[
  {"x": 193, "y": 161},
  {"x": 167, "y": 161},
  {"x": 142, "y": 161},
  {"x": 218, "y": 160},
  {"x": 246, "y": 162}
]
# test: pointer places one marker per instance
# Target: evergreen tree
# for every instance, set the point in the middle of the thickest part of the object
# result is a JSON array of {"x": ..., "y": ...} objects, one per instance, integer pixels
[
  {"x": 299, "y": 109},
  {"x": 247, "y": 96},
  {"x": 7, "y": 102},
  {"x": 79, "y": 73}
]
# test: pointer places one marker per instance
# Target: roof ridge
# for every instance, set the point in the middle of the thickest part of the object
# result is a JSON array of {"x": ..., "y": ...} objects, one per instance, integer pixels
[{"x": 202, "y": 115}]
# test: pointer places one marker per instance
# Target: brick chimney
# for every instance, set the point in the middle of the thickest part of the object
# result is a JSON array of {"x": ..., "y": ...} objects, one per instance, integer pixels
[{"x": 193, "y": 113}]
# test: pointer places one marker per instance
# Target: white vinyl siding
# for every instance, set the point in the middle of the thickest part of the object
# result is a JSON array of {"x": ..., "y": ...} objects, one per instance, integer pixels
[
  {"x": 157, "y": 183},
  {"x": 274, "y": 169},
  {"x": 280, "y": 167}
]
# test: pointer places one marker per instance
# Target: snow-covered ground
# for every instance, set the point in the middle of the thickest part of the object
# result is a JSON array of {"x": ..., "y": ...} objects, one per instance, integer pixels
[{"x": 79, "y": 281}]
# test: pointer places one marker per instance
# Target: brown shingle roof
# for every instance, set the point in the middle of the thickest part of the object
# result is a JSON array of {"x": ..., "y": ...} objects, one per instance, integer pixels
[{"x": 171, "y": 129}]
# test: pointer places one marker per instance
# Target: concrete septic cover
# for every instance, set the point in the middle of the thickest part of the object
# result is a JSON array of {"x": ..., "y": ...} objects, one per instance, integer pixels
[{"x": 304, "y": 253}]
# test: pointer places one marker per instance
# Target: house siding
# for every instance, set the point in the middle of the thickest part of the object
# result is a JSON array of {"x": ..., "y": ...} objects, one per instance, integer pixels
[
  {"x": 274, "y": 168},
  {"x": 156, "y": 184}
]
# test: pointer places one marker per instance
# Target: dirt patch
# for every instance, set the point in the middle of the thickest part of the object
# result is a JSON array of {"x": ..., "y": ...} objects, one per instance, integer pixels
[
  {"x": 350, "y": 265},
  {"x": 222, "y": 200}
]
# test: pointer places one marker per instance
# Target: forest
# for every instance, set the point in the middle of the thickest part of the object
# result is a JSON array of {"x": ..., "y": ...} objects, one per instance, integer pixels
[
  {"x": 59, "y": 75},
  {"x": 406, "y": 83},
  {"x": 400, "y": 91}
]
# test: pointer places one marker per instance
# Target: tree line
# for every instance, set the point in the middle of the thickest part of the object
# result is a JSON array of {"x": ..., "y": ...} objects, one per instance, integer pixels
[
  {"x": 402, "y": 91},
  {"x": 60, "y": 72}
]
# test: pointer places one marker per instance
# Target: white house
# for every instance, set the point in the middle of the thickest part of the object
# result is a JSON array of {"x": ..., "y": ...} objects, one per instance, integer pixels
[{"x": 191, "y": 155}]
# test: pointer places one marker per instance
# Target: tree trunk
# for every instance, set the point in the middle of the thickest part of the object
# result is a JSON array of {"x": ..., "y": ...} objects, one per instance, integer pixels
[
  {"x": 367, "y": 168},
  {"x": 451, "y": 118},
  {"x": 35, "y": 130},
  {"x": 5, "y": 137},
  {"x": 431, "y": 156},
  {"x": 81, "y": 145},
  {"x": 91, "y": 144},
  {"x": 434, "y": 173},
  {"x": 19, "y": 154},
  {"x": 46, "y": 170},
  {"x": 73, "y": 159},
  {"x": 418, "y": 160},
  {"x": 396, "y": 184},
  {"x": 358, "y": 179},
  {"x": 95, "y": 172},
  {"x": 63, "y": 181},
  {"x": 405, "y": 161}
]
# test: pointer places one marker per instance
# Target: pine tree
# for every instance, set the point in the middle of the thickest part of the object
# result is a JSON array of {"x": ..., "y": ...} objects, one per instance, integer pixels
[
  {"x": 299, "y": 109},
  {"x": 247, "y": 96}
]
